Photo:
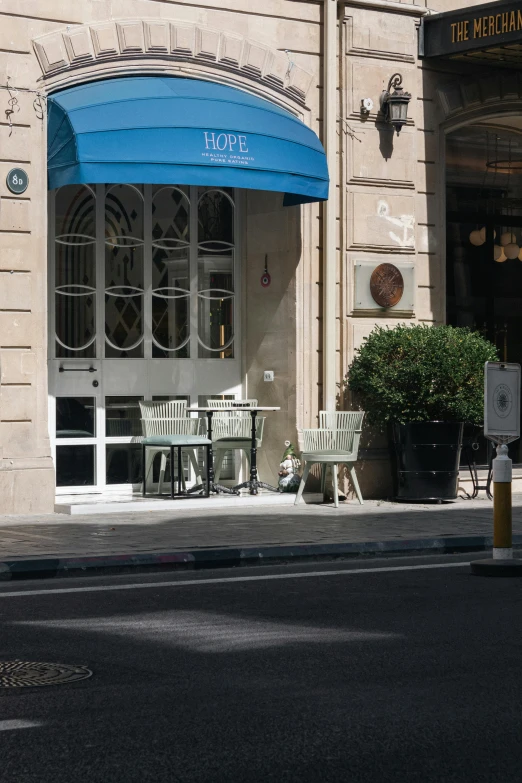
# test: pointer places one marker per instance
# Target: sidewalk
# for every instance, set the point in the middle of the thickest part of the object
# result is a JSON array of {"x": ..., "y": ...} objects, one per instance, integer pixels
[{"x": 60, "y": 544}]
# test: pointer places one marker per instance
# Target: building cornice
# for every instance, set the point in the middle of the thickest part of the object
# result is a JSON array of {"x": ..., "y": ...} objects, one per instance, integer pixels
[{"x": 387, "y": 5}]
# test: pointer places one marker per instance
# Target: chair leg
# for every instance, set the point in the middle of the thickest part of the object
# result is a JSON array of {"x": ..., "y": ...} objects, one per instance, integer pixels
[
  {"x": 246, "y": 452},
  {"x": 149, "y": 455},
  {"x": 323, "y": 479},
  {"x": 355, "y": 483},
  {"x": 207, "y": 472},
  {"x": 306, "y": 471},
  {"x": 181, "y": 472},
  {"x": 335, "y": 489},
  {"x": 163, "y": 467},
  {"x": 220, "y": 456},
  {"x": 195, "y": 467}
]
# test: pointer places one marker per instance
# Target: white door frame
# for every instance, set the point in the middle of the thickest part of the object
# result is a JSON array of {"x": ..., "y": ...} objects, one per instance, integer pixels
[{"x": 144, "y": 377}]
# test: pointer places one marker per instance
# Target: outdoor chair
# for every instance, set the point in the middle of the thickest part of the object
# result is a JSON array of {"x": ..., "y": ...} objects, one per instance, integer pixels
[
  {"x": 117, "y": 427},
  {"x": 232, "y": 431},
  {"x": 160, "y": 421},
  {"x": 341, "y": 420},
  {"x": 330, "y": 445},
  {"x": 184, "y": 435},
  {"x": 217, "y": 404}
]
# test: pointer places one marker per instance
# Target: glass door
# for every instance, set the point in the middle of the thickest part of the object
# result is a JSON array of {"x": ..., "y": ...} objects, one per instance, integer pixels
[{"x": 143, "y": 305}]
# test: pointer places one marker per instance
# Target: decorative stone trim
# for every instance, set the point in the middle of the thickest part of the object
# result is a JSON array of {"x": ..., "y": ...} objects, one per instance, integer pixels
[
  {"x": 389, "y": 7},
  {"x": 372, "y": 52},
  {"x": 460, "y": 95},
  {"x": 63, "y": 50}
]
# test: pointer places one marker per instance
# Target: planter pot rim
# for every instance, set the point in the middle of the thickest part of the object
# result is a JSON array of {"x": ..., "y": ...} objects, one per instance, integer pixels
[{"x": 429, "y": 421}]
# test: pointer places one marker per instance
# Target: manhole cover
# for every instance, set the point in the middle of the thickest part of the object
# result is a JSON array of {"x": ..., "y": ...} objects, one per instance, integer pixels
[{"x": 25, "y": 674}]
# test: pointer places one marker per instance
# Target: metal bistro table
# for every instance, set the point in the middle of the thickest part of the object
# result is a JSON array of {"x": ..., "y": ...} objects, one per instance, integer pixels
[{"x": 253, "y": 484}]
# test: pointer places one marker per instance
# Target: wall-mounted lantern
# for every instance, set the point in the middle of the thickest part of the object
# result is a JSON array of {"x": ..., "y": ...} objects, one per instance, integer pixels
[{"x": 394, "y": 105}]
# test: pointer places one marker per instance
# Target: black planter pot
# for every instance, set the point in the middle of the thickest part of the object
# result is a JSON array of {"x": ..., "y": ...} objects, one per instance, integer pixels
[{"x": 427, "y": 456}]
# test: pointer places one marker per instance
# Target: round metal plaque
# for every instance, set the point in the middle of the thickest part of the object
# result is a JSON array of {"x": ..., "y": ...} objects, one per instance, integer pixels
[
  {"x": 27, "y": 674},
  {"x": 17, "y": 181},
  {"x": 386, "y": 285}
]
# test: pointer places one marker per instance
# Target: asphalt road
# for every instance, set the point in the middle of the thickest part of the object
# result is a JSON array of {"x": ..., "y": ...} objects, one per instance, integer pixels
[{"x": 392, "y": 675}]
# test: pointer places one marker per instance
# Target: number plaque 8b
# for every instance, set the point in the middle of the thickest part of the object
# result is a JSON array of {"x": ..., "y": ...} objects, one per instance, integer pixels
[{"x": 17, "y": 181}]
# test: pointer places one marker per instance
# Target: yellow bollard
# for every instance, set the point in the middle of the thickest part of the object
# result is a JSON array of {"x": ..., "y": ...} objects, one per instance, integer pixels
[
  {"x": 502, "y": 384},
  {"x": 502, "y": 563},
  {"x": 502, "y": 508}
]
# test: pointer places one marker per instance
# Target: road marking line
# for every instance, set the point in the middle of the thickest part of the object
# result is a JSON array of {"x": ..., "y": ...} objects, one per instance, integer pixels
[
  {"x": 9, "y": 725},
  {"x": 224, "y": 580}
]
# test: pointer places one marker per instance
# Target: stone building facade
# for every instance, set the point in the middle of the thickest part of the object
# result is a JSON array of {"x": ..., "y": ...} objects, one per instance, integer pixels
[{"x": 388, "y": 193}]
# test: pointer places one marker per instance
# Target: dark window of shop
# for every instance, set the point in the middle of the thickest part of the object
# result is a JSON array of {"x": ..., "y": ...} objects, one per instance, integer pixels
[{"x": 484, "y": 243}]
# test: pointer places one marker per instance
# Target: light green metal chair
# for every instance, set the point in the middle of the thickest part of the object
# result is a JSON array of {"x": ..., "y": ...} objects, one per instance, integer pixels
[
  {"x": 163, "y": 419},
  {"x": 232, "y": 431},
  {"x": 341, "y": 420},
  {"x": 232, "y": 403},
  {"x": 335, "y": 442}
]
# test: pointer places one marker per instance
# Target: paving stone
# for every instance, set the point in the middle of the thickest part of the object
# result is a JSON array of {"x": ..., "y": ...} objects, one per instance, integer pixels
[{"x": 60, "y": 534}]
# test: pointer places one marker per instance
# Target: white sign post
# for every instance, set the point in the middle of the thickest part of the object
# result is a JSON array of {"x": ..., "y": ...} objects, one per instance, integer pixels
[
  {"x": 502, "y": 426},
  {"x": 501, "y": 402}
]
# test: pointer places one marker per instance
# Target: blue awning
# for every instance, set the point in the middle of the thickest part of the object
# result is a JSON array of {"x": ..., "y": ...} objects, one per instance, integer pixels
[{"x": 169, "y": 130}]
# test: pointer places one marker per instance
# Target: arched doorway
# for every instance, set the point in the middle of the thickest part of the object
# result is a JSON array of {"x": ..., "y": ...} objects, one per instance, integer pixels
[
  {"x": 148, "y": 177},
  {"x": 484, "y": 238}
]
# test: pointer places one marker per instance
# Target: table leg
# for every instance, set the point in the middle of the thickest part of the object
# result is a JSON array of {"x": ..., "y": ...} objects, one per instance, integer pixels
[
  {"x": 172, "y": 472},
  {"x": 212, "y": 486},
  {"x": 143, "y": 463},
  {"x": 253, "y": 455},
  {"x": 253, "y": 484},
  {"x": 180, "y": 472},
  {"x": 207, "y": 471},
  {"x": 210, "y": 450}
]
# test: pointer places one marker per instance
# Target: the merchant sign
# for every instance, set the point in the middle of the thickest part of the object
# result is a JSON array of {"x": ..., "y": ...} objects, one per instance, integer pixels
[{"x": 479, "y": 28}]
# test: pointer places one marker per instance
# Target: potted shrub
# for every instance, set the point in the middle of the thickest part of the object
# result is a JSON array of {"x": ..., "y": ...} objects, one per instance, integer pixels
[{"x": 424, "y": 383}]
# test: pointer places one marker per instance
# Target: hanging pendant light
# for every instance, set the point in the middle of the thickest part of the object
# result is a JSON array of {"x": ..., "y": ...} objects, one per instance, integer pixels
[
  {"x": 482, "y": 233},
  {"x": 476, "y": 238},
  {"x": 498, "y": 254},
  {"x": 512, "y": 250},
  {"x": 507, "y": 238}
]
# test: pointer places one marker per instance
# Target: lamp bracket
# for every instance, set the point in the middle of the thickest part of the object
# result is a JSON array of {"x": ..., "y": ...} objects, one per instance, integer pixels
[{"x": 395, "y": 82}]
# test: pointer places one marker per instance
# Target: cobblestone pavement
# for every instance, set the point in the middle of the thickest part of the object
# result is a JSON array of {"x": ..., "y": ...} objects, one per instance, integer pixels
[{"x": 147, "y": 532}]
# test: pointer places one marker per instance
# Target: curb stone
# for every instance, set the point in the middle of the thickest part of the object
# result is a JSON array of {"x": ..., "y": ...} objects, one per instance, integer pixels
[{"x": 230, "y": 557}]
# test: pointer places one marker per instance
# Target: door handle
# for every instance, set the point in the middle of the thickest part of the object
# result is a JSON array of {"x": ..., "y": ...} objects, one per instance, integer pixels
[{"x": 77, "y": 369}]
